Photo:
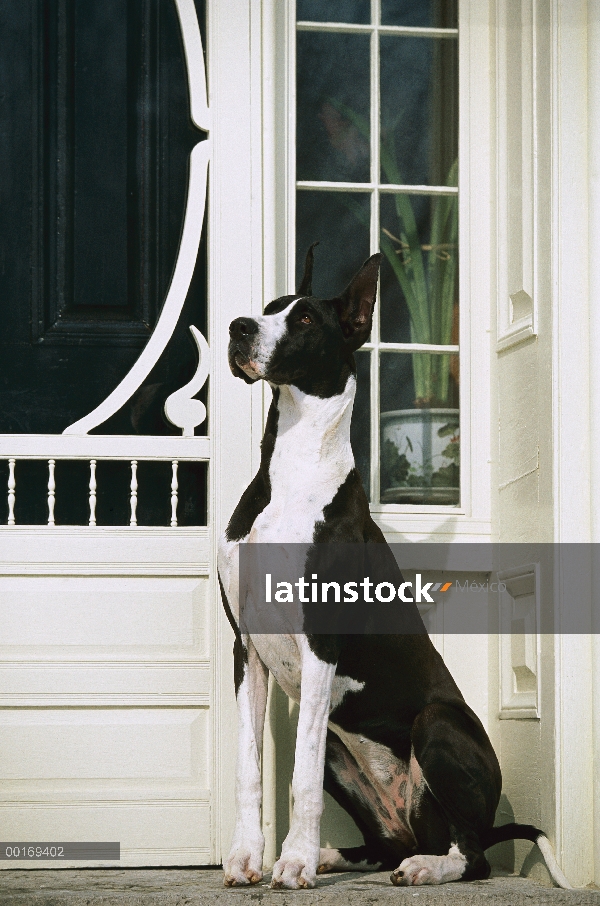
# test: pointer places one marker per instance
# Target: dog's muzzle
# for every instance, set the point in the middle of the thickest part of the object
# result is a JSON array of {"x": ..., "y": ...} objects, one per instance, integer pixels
[{"x": 243, "y": 333}]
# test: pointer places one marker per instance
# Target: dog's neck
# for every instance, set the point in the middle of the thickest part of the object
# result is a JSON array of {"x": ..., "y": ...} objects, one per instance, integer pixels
[{"x": 315, "y": 430}]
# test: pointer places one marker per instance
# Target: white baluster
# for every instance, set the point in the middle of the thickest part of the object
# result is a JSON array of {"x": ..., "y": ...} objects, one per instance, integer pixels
[
  {"x": 11, "y": 491},
  {"x": 134, "y": 488},
  {"x": 92, "y": 492},
  {"x": 174, "y": 489},
  {"x": 51, "y": 490}
]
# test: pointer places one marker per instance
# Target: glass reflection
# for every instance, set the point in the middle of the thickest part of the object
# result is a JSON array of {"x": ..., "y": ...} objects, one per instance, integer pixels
[
  {"x": 332, "y": 130},
  {"x": 353, "y": 11},
  {"x": 420, "y": 13},
  {"x": 419, "y": 122}
]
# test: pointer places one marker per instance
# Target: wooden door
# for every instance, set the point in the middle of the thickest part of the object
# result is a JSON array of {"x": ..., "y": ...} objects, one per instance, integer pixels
[{"x": 108, "y": 647}]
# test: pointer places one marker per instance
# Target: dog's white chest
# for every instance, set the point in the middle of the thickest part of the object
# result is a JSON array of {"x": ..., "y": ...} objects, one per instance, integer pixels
[{"x": 310, "y": 461}]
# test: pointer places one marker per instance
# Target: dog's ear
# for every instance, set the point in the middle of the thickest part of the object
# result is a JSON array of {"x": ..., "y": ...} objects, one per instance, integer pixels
[
  {"x": 305, "y": 288},
  {"x": 355, "y": 306}
]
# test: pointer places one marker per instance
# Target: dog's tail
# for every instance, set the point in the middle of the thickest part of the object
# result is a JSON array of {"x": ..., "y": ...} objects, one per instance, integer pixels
[{"x": 528, "y": 832}]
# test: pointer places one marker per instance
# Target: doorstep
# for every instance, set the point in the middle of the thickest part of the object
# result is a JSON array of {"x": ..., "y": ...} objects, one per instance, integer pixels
[{"x": 204, "y": 887}]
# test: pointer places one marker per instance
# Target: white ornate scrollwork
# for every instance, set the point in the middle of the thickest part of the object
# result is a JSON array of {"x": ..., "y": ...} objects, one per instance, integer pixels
[
  {"x": 194, "y": 61},
  {"x": 190, "y": 237},
  {"x": 181, "y": 408}
]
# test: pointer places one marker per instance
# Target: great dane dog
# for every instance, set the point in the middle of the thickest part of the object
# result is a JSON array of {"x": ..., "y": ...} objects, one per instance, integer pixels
[{"x": 382, "y": 725}]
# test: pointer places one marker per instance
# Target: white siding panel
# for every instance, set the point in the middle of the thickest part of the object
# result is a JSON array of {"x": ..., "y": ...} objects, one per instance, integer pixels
[
  {"x": 159, "y": 833},
  {"x": 104, "y": 744},
  {"x": 103, "y": 611}
]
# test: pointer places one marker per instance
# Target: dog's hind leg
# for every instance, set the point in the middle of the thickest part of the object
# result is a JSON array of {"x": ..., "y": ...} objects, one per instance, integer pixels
[
  {"x": 351, "y": 790},
  {"x": 353, "y": 858},
  {"x": 455, "y": 782}
]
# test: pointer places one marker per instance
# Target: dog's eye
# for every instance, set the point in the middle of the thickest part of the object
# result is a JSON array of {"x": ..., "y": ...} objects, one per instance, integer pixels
[{"x": 306, "y": 319}]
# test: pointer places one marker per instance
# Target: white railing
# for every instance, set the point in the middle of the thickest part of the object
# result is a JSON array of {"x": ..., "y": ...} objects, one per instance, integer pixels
[{"x": 134, "y": 448}]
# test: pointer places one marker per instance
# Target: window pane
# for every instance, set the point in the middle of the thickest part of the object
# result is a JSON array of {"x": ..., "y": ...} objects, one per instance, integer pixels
[
  {"x": 332, "y": 133},
  {"x": 419, "y": 122},
  {"x": 360, "y": 429},
  {"x": 419, "y": 272},
  {"x": 420, "y": 13},
  {"x": 420, "y": 445},
  {"x": 354, "y": 11},
  {"x": 340, "y": 221}
]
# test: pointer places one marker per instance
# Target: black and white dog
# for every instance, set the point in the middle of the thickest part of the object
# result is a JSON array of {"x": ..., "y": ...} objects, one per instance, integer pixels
[{"x": 382, "y": 725}]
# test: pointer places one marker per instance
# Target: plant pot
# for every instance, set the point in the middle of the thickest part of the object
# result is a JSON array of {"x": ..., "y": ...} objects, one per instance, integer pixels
[{"x": 420, "y": 456}]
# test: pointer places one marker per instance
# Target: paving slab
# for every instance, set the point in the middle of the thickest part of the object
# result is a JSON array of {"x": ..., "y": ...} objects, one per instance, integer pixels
[{"x": 201, "y": 887}]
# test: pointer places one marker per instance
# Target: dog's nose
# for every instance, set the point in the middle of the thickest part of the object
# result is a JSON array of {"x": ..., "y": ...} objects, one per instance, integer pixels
[{"x": 242, "y": 328}]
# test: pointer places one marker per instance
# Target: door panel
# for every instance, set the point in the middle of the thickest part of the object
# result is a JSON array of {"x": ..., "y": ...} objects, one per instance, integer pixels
[{"x": 108, "y": 650}]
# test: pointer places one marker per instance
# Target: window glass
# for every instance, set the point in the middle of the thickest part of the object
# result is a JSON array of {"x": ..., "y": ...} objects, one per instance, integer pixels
[
  {"x": 355, "y": 11},
  {"x": 332, "y": 126},
  {"x": 395, "y": 79},
  {"x": 419, "y": 140},
  {"x": 422, "y": 13}
]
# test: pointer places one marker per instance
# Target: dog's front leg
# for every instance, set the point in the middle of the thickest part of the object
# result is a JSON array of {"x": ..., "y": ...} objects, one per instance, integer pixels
[
  {"x": 297, "y": 866},
  {"x": 244, "y": 864}
]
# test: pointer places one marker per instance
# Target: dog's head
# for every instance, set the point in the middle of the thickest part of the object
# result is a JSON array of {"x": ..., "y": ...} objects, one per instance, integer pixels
[{"x": 305, "y": 341}]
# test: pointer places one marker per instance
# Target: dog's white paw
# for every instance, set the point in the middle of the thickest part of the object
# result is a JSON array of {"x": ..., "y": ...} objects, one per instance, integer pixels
[
  {"x": 330, "y": 860},
  {"x": 292, "y": 872},
  {"x": 244, "y": 866},
  {"x": 418, "y": 870}
]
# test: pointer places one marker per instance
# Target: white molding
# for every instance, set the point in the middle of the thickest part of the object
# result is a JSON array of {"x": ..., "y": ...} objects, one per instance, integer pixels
[
  {"x": 520, "y": 331},
  {"x": 236, "y": 281},
  {"x": 103, "y": 446},
  {"x": 81, "y": 799},
  {"x": 433, "y": 348},
  {"x": 104, "y": 551},
  {"x": 519, "y": 650},
  {"x": 425, "y": 526},
  {"x": 572, "y": 382},
  {"x": 475, "y": 268},
  {"x": 194, "y": 61},
  {"x": 593, "y": 50},
  {"x": 389, "y": 188},
  {"x": 409, "y": 31},
  {"x": 72, "y": 699},
  {"x": 288, "y": 123},
  {"x": 517, "y": 212}
]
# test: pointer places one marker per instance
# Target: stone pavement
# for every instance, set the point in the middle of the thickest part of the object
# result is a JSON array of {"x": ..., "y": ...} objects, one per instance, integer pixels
[{"x": 201, "y": 887}]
